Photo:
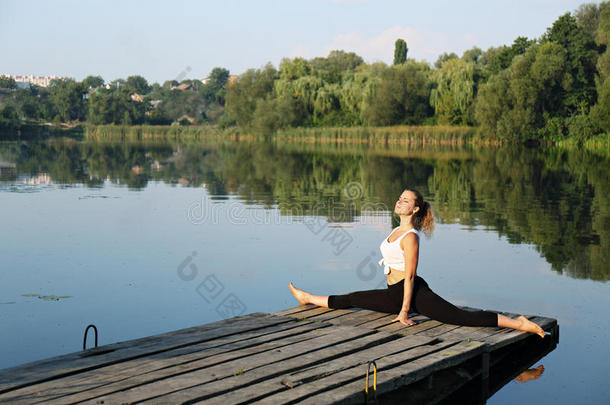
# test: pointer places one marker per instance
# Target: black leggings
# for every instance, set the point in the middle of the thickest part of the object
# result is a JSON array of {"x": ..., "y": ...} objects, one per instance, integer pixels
[{"x": 423, "y": 301}]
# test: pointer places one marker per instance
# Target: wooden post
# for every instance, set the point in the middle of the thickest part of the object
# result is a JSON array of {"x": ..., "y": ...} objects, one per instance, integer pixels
[{"x": 484, "y": 377}]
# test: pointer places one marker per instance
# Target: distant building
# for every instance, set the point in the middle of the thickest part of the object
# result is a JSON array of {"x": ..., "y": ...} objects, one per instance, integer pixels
[
  {"x": 185, "y": 118},
  {"x": 42, "y": 81},
  {"x": 183, "y": 87}
]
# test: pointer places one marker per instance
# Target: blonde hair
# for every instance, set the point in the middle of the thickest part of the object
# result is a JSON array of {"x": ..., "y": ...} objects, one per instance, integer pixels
[{"x": 423, "y": 218}]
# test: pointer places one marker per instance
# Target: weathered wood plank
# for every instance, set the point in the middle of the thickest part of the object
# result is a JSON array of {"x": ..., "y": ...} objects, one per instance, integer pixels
[
  {"x": 462, "y": 333},
  {"x": 410, "y": 330},
  {"x": 117, "y": 372},
  {"x": 184, "y": 376},
  {"x": 331, "y": 315},
  {"x": 295, "y": 379},
  {"x": 392, "y": 378},
  {"x": 399, "y": 345},
  {"x": 357, "y": 318},
  {"x": 293, "y": 310},
  {"x": 318, "y": 388},
  {"x": 438, "y": 330},
  {"x": 310, "y": 312},
  {"x": 55, "y": 367},
  {"x": 378, "y": 323},
  {"x": 388, "y": 324},
  {"x": 252, "y": 380},
  {"x": 168, "y": 369}
]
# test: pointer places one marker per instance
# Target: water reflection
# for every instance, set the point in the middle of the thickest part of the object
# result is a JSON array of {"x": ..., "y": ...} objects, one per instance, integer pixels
[
  {"x": 555, "y": 199},
  {"x": 530, "y": 375}
]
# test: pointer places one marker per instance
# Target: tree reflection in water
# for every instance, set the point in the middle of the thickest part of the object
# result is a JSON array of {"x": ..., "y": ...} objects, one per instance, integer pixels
[{"x": 554, "y": 199}]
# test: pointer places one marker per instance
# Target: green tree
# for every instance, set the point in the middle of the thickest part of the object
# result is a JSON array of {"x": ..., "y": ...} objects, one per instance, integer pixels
[
  {"x": 9, "y": 117},
  {"x": 175, "y": 103},
  {"x": 158, "y": 117},
  {"x": 579, "y": 92},
  {"x": 137, "y": 84},
  {"x": 603, "y": 41},
  {"x": 292, "y": 69},
  {"x": 400, "y": 51},
  {"x": 498, "y": 59},
  {"x": 29, "y": 103},
  {"x": 587, "y": 17},
  {"x": 243, "y": 95},
  {"x": 327, "y": 104},
  {"x": 454, "y": 92},
  {"x": 274, "y": 113},
  {"x": 67, "y": 98},
  {"x": 7, "y": 83},
  {"x": 100, "y": 108},
  {"x": 114, "y": 107},
  {"x": 399, "y": 96},
  {"x": 515, "y": 104},
  {"x": 303, "y": 91},
  {"x": 600, "y": 113},
  {"x": 351, "y": 98},
  {"x": 337, "y": 64},
  {"x": 472, "y": 55},
  {"x": 215, "y": 88},
  {"x": 92, "y": 82},
  {"x": 168, "y": 84},
  {"x": 444, "y": 57}
]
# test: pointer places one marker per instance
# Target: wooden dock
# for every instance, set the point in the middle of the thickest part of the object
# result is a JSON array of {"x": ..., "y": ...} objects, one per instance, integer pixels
[{"x": 303, "y": 354}]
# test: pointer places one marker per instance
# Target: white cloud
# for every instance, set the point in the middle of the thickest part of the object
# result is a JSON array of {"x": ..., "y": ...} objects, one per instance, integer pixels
[{"x": 422, "y": 44}]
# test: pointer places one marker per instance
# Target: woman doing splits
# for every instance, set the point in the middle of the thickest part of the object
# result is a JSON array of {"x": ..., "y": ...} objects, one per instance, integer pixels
[{"x": 407, "y": 292}]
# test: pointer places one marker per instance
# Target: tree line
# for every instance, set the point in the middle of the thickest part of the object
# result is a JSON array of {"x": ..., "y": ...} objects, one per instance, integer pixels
[
  {"x": 130, "y": 101},
  {"x": 547, "y": 89}
]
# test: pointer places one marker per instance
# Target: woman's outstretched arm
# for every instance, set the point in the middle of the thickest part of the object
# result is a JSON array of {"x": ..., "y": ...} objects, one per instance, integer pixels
[{"x": 410, "y": 247}]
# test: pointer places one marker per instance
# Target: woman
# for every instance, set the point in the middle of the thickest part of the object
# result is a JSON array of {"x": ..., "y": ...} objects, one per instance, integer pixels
[{"x": 407, "y": 292}]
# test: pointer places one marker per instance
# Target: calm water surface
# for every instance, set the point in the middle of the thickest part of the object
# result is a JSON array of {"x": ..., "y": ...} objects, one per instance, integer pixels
[{"x": 146, "y": 238}]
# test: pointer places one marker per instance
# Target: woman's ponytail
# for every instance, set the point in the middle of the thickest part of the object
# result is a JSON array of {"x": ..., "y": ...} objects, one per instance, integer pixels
[
  {"x": 423, "y": 218},
  {"x": 427, "y": 218}
]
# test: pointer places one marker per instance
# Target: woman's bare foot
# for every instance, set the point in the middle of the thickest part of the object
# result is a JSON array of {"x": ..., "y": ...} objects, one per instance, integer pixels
[
  {"x": 300, "y": 295},
  {"x": 528, "y": 326}
]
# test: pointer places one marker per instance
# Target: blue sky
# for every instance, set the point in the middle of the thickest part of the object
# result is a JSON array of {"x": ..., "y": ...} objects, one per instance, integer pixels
[{"x": 166, "y": 40}]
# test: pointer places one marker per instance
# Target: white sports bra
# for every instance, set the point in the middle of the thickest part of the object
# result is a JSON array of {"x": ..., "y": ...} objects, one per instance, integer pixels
[{"x": 393, "y": 256}]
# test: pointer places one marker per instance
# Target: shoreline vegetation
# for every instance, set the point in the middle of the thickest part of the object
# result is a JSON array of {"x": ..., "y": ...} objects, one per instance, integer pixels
[
  {"x": 551, "y": 90},
  {"x": 387, "y": 136}
]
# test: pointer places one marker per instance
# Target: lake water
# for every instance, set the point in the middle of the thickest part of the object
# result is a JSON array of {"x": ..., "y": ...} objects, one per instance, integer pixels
[{"x": 141, "y": 239}]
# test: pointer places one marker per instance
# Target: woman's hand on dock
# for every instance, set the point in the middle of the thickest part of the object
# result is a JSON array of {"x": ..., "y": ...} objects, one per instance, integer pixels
[{"x": 403, "y": 317}]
